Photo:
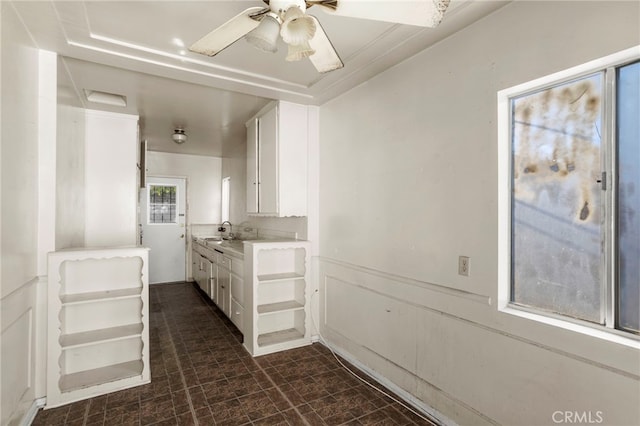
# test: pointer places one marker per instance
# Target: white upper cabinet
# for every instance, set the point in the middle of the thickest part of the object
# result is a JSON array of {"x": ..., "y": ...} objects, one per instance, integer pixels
[
  {"x": 277, "y": 161},
  {"x": 252, "y": 166}
]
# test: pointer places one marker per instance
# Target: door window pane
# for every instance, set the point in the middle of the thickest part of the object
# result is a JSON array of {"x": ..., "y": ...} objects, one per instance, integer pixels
[
  {"x": 556, "y": 217},
  {"x": 628, "y": 124},
  {"x": 162, "y": 203}
]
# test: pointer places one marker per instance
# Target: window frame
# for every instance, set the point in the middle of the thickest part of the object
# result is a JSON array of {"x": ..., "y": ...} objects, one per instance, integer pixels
[
  {"x": 225, "y": 196},
  {"x": 177, "y": 203},
  {"x": 608, "y": 65}
]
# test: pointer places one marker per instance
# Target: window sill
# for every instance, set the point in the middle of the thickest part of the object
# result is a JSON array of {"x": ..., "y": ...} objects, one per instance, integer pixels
[{"x": 598, "y": 332}]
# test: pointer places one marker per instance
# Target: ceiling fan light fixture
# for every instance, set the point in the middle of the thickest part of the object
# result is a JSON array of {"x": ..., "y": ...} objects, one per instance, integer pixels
[
  {"x": 265, "y": 35},
  {"x": 298, "y": 52},
  {"x": 297, "y": 28},
  {"x": 179, "y": 136}
]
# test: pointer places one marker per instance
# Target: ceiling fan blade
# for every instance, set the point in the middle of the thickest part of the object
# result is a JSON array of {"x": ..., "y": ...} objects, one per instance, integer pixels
[
  {"x": 423, "y": 13},
  {"x": 228, "y": 33},
  {"x": 325, "y": 58}
]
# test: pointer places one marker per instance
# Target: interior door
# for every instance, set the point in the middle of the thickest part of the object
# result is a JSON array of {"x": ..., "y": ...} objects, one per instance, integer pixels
[{"x": 162, "y": 223}]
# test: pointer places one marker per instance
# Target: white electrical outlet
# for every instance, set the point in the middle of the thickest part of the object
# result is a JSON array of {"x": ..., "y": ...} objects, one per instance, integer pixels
[{"x": 463, "y": 266}]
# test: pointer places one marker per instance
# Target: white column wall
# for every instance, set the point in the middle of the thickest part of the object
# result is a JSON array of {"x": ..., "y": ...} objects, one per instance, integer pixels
[
  {"x": 110, "y": 179},
  {"x": 409, "y": 183},
  {"x": 27, "y": 186},
  {"x": 70, "y": 193}
]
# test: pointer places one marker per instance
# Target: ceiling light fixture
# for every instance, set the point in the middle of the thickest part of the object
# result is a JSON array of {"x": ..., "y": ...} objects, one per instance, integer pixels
[
  {"x": 265, "y": 35},
  {"x": 296, "y": 30},
  {"x": 299, "y": 51},
  {"x": 105, "y": 98},
  {"x": 297, "y": 27},
  {"x": 179, "y": 136}
]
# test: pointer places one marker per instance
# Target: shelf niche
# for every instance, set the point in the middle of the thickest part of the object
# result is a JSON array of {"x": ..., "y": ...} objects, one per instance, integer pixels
[
  {"x": 98, "y": 323},
  {"x": 277, "y": 280}
]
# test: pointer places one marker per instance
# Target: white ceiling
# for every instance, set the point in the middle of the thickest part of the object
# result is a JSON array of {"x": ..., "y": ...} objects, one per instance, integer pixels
[{"x": 137, "y": 49}]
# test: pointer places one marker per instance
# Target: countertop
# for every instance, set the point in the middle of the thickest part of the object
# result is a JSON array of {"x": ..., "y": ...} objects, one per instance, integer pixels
[{"x": 234, "y": 247}]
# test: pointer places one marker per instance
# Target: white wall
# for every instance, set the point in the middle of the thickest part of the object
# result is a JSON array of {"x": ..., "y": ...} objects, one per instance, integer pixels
[
  {"x": 27, "y": 165},
  {"x": 410, "y": 183},
  {"x": 96, "y": 179},
  {"x": 234, "y": 166},
  {"x": 70, "y": 193},
  {"x": 204, "y": 184},
  {"x": 110, "y": 179},
  {"x": 70, "y": 167}
]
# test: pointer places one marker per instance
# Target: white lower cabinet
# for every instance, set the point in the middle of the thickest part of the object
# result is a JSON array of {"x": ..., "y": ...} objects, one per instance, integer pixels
[
  {"x": 237, "y": 298},
  {"x": 98, "y": 329},
  {"x": 223, "y": 272},
  {"x": 224, "y": 294},
  {"x": 237, "y": 312},
  {"x": 277, "y": 298},
  {"x": 199, "y": 274},
  {"x": 203, "y": 273},
  {"x": 195, "y": 265},
  {"x": 208, "y": 273}
]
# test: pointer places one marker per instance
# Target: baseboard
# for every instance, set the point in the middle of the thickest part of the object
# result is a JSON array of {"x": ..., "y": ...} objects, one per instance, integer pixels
[
  {"x": 414, "y": 402},
  {"x": 30, "y": 415}
]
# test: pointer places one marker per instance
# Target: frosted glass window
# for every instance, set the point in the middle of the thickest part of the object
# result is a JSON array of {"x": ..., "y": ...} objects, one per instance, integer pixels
[
  {"x": 162, "y": 203},
  {"x": 628, "y": 132},
  {"x": 556, "y": 220}
]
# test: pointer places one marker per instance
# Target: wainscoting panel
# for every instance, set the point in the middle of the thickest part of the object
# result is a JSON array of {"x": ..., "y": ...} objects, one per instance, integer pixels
[
  {"x": 18, "y": 338},
  {"x": 459, "y": 357},
  {"x": 377, "y": 326},
  {"x": 374, "y": 320}
]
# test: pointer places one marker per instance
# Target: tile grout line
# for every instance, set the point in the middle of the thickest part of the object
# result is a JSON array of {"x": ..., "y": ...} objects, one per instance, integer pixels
[
  {"x": 86, "y": 414},
  {"x": 179, "y": 364},
  {"x": 213, "y": 311},
  {"x": 304, "y": 420}
]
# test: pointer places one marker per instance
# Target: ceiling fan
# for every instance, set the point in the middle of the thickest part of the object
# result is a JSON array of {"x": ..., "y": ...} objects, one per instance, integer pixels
[{"x": 261, "y": 26}]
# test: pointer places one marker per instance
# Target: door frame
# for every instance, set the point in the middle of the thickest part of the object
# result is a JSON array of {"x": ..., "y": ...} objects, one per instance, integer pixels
[{"x": 187, "y": 224}]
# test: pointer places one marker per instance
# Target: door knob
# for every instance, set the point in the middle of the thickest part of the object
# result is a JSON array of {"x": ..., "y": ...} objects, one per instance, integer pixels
[{"x": 182, "y": 236}]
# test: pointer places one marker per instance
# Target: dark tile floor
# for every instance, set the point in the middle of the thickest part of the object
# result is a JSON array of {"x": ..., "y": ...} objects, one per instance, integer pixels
[{"x": 202, "y": 375}]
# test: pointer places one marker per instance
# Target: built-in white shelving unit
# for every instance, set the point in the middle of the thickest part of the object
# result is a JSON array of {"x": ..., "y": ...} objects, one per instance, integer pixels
[
  {"x": 277, "y": 284},
  {"x": 98, "y": 322}
]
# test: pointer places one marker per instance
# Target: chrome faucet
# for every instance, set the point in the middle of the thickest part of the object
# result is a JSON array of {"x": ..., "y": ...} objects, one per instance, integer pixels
[{"x": 222, "y": 229}]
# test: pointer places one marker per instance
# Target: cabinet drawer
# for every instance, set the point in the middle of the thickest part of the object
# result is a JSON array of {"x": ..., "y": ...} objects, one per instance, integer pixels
[
  {"x": 237, "y": 313},
  {"x": 237, "y": 290}
]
